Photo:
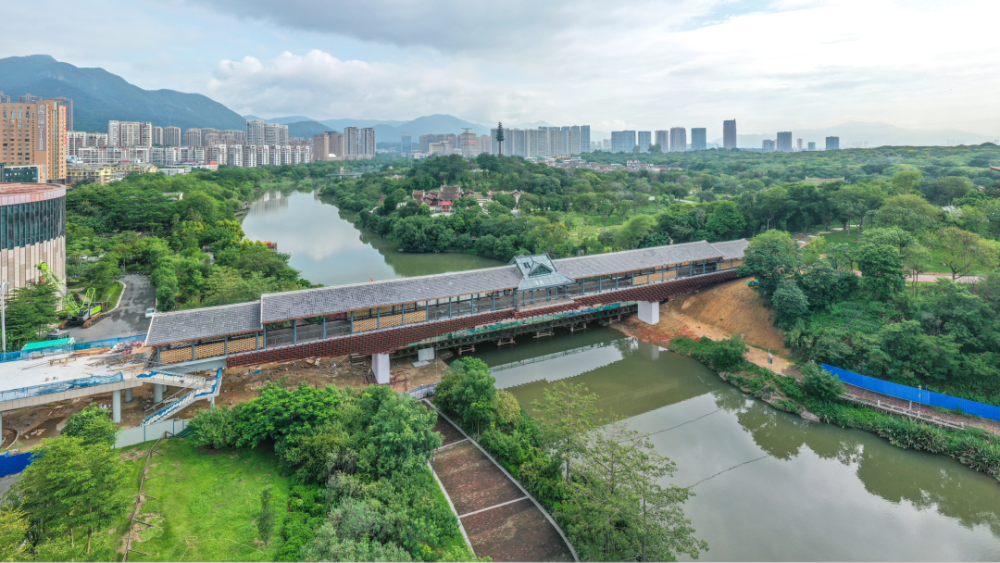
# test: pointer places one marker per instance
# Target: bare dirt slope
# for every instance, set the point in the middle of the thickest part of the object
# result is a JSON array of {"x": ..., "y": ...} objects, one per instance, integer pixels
[{"x": 730, "y": 308}]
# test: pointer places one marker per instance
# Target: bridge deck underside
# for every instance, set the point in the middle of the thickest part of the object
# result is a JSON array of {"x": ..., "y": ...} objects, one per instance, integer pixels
[{"x": 401, "y": 337}]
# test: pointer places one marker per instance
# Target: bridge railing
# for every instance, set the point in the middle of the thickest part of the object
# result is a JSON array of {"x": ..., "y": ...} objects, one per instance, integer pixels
[{"x": 48, "y": 388}]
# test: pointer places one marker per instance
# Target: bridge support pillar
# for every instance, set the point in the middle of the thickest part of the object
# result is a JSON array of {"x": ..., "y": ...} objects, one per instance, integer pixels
[
  {"x": 116, "y": 406},
  {"x": 380, "y": 367},
  {"x": 128, "y": 395},
  {"x": 158, "y": 393},
  {"x": 649, "y": 312},
  {"x": 425, "y": 355}
]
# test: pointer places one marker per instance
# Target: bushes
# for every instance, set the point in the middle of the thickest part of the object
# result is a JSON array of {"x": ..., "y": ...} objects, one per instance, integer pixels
[
  {"x": 93, "y": 425},
  {"x": 215, "y": 429},
  {"x": 820, "y": 384}
]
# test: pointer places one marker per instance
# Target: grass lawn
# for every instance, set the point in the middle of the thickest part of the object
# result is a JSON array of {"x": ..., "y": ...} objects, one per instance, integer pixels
[
  {"x": 207, "y": 504},
  {"x": 114, "y": 295},
  {"x": 932, "y": 265}
]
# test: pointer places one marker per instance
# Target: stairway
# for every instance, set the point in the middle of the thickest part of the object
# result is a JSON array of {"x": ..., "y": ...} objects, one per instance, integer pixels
[{"x": 202, "y": 388}]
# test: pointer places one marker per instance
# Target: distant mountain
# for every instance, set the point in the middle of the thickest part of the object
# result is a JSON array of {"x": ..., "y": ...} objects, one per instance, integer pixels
[
  {"x": 306, "y": 129},
  {"x": 875, "y": 134},
  {"x": 339, "y": 124},
  {"x": 99, "y": 96}
]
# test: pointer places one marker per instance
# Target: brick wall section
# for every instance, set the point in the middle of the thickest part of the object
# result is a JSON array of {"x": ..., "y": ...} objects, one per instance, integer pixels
[{"x": 388, "y": 340}]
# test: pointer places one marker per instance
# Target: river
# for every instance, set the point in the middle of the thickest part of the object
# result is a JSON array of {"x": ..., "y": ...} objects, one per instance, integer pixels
[
  {"x": 327, "y": 248},
  {"x": 769, "y": 485}
]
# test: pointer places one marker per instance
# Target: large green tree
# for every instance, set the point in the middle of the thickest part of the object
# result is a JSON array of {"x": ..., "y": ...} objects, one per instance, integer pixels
[{"x": 771, "y": 257}]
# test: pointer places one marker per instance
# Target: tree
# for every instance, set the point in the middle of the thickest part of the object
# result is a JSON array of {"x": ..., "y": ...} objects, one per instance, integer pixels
[
  {"x": 93, "y": 425},
  {"x": 819, "y": 383},
  {"x": 906, "y": 180},
  {"x": 789, "y": 302},
  {"x": 400, "y": 434},
  {"x": 30, "y": 311},
  {"x": 565, "y": 416},
  {"x": 770, "y": 257},
  {"x": 726, "y": 221},
  {"x": 914, "y": 257},
  {"x": 14, "y": 527},
  {"x": 500, "y": 138},
  {"x": 73, "y": 485},
  {"x": 634, "y": 232},
  {"x": 618, "y": 511},
  {"x": 881, "y": 270},
  {"x": 964, "y": 251}
]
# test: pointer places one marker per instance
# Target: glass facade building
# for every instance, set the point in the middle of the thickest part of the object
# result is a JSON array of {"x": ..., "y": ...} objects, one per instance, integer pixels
[{"x": 32, "y": 231}]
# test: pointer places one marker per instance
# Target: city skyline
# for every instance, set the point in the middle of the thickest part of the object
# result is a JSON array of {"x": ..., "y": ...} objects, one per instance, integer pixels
[{"x": 801, "y": 65}]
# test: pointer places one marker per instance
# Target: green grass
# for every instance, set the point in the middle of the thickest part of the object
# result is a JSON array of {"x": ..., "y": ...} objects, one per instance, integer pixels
[
  {"x": 207, "y": 504},
  {"x": 114, "y": 295},
  {"x": 932, "y": 265},
  {"x": 455, "y": 540}
]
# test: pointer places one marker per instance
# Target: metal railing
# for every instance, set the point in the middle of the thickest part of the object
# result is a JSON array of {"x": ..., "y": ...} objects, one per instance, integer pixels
[
  {"x": 49, "y": 350},
  {"x": 27, "y": 392}
]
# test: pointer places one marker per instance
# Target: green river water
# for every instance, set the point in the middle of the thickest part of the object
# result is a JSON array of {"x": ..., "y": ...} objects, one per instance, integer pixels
[{"x": 769, "y": 485}]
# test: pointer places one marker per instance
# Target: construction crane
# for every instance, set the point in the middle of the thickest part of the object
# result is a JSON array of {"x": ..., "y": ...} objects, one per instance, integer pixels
[{"x": 76, "y": 313}]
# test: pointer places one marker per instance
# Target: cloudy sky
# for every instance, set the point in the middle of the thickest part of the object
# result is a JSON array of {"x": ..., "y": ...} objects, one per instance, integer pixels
[{"x": 782, "y": 64}]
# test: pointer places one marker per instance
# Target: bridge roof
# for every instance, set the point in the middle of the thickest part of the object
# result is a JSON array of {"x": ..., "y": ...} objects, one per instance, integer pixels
[
  {"x": 629, "y": 260},
  {"x": 325, "y": 300},
  {"x": 206, "y": 322},
  {"x": 732, "y": 248}
]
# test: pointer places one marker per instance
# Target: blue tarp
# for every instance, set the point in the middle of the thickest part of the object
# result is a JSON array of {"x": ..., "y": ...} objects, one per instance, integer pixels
[
  {"x": 58, "y": 349},
  {"x": 13, "y": 464},
  {"x": 921, "y": 396}
]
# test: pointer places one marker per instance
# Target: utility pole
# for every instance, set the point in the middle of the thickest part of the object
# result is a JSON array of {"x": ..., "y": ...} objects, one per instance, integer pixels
[{"x": 3, "y": 312}]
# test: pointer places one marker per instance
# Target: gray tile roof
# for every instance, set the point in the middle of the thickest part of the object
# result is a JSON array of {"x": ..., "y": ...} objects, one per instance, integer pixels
[
  {"x": 588, "y": 266},
  {"x": 326, "y": 300},
  {"x": 207, "y": 322},
  {"x": 245, "y": 317},
  {"x": 732, "y": 248}
]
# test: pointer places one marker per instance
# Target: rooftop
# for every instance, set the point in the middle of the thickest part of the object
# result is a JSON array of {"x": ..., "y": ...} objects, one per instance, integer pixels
[{"x": 12, "y": 193}]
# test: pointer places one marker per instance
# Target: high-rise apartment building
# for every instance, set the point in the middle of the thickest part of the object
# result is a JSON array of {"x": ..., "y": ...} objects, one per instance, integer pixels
[
  {"x": 812, "y": 145},
  {"x": 538, "y": 142},
  {"x": 275, "y": 135},
  {"x": 367, "y": 144},
  {"x": 699, "y": 139},
  {"x": 192, "y": 137},
  {"x": 172, "y": 136},
  {"x": 4, "y": 98},
  {"x": 678, "y": 139},
  {"x": 784, "y": 141},
  {"x": 767, "y": 145},
  {"x": 328, "y": 146},
  {"x": 645, "y": 139},
  {"x": 729, "y": 134},
  {"x": 622, "y": 141},
  {"x": 129, "y": 134},
  {"x": 352, "y": 142},
  {"x": 34, "y": 133},
  {"x": 255, "y": 132},
  {"x": 585, "y": 138},
  {"x": 798, "y": 144},
  {"x": 663, "y": 140},
  {"x": 832, "y": 143},
  {"x": 574, "y": 141},
  {"x": 68, "y": 104},
  {"x": 558, "y": 142},
  {"x": 157, "y": 135},
  {"x": 28, "y": 99},
  {"x": 405, "y": 144}
]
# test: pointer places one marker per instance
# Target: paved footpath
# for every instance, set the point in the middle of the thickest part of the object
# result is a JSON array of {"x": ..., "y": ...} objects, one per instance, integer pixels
[{"x": 500, "y": 519}]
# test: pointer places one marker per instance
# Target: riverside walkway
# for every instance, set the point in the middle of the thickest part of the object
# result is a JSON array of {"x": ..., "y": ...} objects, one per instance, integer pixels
[
  {"x": 499, "y": 518},
  {"x": 382, "y": 317}
]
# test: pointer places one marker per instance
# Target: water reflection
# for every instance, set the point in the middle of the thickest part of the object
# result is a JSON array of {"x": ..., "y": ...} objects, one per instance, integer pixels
[
  {"x": 769, "y": 485},
  {"x": 327, "y": 248}
]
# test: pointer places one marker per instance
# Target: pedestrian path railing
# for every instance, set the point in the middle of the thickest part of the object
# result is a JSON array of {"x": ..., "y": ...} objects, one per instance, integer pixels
[
  {"x": 922, "y": 396},
  {"x": 48, "y": 351},
  {"x": 59, "y": 387}
]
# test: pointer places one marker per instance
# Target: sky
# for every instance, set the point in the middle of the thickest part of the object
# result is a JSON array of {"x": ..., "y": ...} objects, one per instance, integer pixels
[{"x": 770, "y": 64}]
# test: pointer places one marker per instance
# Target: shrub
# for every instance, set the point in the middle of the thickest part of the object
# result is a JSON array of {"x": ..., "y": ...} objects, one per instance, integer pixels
[
  {"x": 507, "y": 407},
  {"x": 820, "y": 384},
  {"x": 215, "y": 429},
  {"x": 93, "y": 425}
]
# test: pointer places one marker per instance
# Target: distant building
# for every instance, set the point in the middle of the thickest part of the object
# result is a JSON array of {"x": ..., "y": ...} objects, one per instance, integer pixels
[
  {"x": 328, "y": 146},
  {"x": 812, "y": 145},
  {"x": 157, "y": 135},
  {"x": 699, "y": 139},
  {"x": 255, "y": 132},
  {"x": 622, "y": 141},
  {"x": 767, "y": 145},
  {"x": 23, "y": 174},
  {"x": 192, "y": 137},
  {"x": 585, "y": 138},
  {"x": 367, "y": 143},
  {"x": 405, "y": 144},
  {"x": 729, "y": 134},
  {"x": 35, "y": 133},
  {"x": 645, "y": 139},
  {"x": 663, "y": 140},
  {"x": 832, "y": 143},
  {"x": 678, "y": 139},
  {"x": 171, "y": 136},
  {"x": 68, "y": 104},
  {"x": 28, "y": 99},
  {"x": 784, "y": 141},
  {"x": 798, "y": 144},
  {"x": 4, "y": 98}
]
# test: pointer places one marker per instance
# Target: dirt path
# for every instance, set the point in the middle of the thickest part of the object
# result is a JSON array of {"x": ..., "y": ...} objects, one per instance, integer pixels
[{"x": 499, "y": 517}]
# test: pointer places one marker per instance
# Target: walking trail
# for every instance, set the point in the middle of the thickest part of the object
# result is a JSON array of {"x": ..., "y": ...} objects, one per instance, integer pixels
[{"x": 499, "y": 518}]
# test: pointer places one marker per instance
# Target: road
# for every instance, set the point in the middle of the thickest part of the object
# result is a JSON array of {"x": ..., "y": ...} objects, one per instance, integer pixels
[{"x": 128, "y": 318}]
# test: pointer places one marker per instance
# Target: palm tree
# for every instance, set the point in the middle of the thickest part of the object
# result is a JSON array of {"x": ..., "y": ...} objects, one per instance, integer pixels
[{"x": 499, "y": 137}]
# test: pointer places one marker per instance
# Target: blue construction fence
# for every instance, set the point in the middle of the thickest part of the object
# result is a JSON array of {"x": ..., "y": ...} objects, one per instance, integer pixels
[
  {"x": 26, "y": 355},
  {"x": 914, "y": 394},
  {"x": 13, "y": 464}
]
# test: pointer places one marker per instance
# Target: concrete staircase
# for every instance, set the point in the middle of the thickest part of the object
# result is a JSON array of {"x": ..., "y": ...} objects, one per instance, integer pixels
[{"x": 201, "y": 388}]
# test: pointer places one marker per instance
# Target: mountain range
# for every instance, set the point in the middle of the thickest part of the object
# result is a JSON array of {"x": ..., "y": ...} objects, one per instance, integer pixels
[
  {"x": 99, "y": 96},
  {"x": 385, "y": 130}
]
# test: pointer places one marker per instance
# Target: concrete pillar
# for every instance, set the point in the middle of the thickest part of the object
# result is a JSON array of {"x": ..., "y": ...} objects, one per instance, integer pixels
[
  {"x": 158, "y": 392},
  {"x": 425, "y": 355},
  {"x": 649, "y": 312},
  {"x": 116, "y": 406},
  {"x": 380, "y": 365},
  {"x": 128, "y": 395}
]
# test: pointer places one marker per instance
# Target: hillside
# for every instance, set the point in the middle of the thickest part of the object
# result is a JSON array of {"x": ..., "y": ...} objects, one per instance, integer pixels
[
  {"x": 99, "y": 96},
  {"x": 306, "y": 129}
]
